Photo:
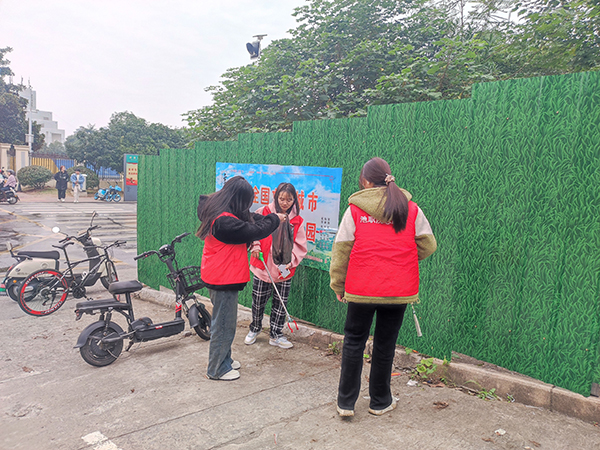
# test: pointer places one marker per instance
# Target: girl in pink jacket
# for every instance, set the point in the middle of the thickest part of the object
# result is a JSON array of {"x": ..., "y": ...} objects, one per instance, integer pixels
[{"x": 286, "y": 201}]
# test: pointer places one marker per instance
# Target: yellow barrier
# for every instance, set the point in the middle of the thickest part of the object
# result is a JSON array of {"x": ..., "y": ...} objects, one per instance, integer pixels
[{"x": 48, "y": 163}]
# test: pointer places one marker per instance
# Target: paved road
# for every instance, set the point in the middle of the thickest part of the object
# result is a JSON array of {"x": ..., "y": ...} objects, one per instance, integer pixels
[
  {"x": 157, "y": 397},
  {"x": 29, "y": 226}
]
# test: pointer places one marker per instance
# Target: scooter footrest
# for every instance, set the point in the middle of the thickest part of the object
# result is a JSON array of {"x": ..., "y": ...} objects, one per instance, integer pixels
[
  {"x": 160, "y": 330},
  {"x": 94, "y": 305}
]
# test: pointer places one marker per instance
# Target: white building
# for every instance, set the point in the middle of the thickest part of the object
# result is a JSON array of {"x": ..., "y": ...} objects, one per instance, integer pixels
[{"x": 44, "y": 118}]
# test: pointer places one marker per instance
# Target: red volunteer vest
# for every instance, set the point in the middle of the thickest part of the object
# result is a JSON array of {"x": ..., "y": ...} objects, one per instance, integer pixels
[
  {"x": 224, "y": 263},
  {"x": 267, "y": 243},
  {"x": 383, "y": 263}
]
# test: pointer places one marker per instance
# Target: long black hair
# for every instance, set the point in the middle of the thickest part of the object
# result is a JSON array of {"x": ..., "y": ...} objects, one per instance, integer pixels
[
  {"x": 375, "y": 171},
  {"x": 235, "y": 197},
  {"x": 290, "y": 189}
]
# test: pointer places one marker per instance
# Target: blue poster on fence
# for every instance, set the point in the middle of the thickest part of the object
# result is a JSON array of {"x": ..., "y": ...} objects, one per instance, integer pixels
[{"x": 318, "y": 191}]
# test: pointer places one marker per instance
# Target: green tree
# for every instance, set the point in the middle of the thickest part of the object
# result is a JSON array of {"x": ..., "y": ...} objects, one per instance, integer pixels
[
  {"x": 13, "y": 124},
  {"x": 125, "y": 134},
  {"x": 345, "y": 55},
  {"x": 13, "y": 120},
  {"x": 54, "y": 148}
]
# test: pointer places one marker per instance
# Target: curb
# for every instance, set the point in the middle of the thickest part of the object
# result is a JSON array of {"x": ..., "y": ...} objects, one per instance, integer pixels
[{"x": 507, "y": 384}]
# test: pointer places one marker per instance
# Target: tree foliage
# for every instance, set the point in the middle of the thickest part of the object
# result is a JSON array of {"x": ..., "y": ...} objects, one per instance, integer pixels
[
  {"x": 346, "y": 55},
  {"x": 13, "y": 120},
  {"x": 34, "y": 176},
  {"x": 125, "y": 134}
]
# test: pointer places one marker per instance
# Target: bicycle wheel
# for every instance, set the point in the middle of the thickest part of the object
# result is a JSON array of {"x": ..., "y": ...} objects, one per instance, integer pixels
[
  {"x": 98, "y": 354},
  {"x": 111, "y": 275},
  {"x": 203, "y": 328},
  {"x": 117, "y": 197},
  {"x": 43, "y": 292}
]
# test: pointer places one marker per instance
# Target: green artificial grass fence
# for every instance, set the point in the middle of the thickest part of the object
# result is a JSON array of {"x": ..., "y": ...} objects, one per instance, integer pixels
[{"x": 510, "y": 182}]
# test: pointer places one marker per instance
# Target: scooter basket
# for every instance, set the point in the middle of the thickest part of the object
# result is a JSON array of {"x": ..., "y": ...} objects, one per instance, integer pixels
[{"x": 189, "y": 278}]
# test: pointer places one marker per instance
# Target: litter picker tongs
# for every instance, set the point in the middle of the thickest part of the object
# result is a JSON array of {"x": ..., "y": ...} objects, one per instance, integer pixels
[{"x": 287, "y": 314}]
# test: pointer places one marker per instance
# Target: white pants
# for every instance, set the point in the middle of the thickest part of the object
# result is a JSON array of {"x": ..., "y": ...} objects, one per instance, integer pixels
[{"x": 76, "y": 191}]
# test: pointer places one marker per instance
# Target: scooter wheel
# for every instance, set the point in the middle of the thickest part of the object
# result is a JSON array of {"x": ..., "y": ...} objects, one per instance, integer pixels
[
  {"x": 13, "y": 291},
  {"x": 203, "y": 328},
  {"x": 12, "y": 200},
  {"x": 98, "y": 354}
]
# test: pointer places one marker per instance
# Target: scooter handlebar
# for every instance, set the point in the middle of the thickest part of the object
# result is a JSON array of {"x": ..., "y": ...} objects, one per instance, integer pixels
[
  {"x": 180, "y": 237},
  {"x": 145, "y": 255}
]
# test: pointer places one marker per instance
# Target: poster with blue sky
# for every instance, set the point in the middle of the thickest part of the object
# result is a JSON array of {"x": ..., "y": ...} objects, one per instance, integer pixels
[{"x": 318, "y": 191}]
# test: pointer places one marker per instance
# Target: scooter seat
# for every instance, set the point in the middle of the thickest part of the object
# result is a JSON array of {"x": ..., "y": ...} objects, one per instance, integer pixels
[
  {"x": 53, "y": 254},
  {"x": 92, "y": 305},
  {"x": 123, "y": 287}
]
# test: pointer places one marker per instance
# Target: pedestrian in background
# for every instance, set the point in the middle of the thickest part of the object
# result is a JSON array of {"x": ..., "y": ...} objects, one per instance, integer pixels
[
  {"x": 285, "y": 201},
  {"x": 62, "y": 180},
  {"x": 10, "y": 182},
  {"x": 77, "y": 183},
  {"x": 228, "y": 227},
  {"x": 375, "y": 269}
]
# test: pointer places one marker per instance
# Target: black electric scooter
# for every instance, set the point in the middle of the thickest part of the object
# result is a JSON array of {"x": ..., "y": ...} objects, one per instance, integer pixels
[{"x": 101, "y": 342}]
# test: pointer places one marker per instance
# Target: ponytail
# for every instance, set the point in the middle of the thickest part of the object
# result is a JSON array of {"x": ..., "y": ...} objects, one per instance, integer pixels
[
  {"x": 395, "y": 209},
  {"x": 396, "y": 206}
]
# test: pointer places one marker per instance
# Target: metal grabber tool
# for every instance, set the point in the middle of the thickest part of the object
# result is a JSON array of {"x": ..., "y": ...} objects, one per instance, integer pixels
[{"x": 287, "y": 314}]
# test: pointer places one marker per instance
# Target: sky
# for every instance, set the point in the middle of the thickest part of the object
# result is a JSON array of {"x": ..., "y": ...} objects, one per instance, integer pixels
[{"x": 89, "y": 59}]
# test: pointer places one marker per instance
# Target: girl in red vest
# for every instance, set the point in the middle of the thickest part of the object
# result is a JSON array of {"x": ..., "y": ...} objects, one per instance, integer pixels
[
  {"x": 228, "y": 228},
  {"x": 286, "y": 201},
  {"x": 375, "y": 269}
]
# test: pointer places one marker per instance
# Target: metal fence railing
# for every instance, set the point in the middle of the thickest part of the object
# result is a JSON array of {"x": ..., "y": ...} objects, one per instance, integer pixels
[{"x": 53, "y": 163}]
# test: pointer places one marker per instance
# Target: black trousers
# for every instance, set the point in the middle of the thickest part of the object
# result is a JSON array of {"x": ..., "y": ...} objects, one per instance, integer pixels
[
  {"x": 61, "y": 193},
  {"x": 356, "y": 332}
]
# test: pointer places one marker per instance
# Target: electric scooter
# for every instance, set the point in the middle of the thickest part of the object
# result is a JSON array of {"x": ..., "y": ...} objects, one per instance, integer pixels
[
  {"x": 101, "y": 342},
  {"x": 9, "y": 196},
  {"x": 29, "y": 262}
]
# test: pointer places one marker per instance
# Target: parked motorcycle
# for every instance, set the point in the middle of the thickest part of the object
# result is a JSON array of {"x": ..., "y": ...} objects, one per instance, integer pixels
[
  {"x": 29, "y": 262},
  {"x": 10, "y": 196}
]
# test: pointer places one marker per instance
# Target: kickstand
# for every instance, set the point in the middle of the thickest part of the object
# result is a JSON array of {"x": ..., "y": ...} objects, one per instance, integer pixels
[{"x": 129, "y": 345}]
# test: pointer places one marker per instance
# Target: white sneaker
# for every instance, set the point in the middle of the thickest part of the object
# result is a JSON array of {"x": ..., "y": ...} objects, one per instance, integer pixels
[
  {"x": 281, "y": 342},
  {"x": 229, "y": 376},
  {"x": 251, "y": 338},
  {"x": 379, "y": 412},
  {"x": 345, "y": 412},
  {"x": 236, "y": 365},
  {"x": 62, "y": 199}
]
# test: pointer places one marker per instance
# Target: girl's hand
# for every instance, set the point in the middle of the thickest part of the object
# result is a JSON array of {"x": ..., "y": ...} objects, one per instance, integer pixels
[
  {"x": 255, "y": 254},
  {"x": 340, "y": 298},
  {"x": 282, "y": 217}
]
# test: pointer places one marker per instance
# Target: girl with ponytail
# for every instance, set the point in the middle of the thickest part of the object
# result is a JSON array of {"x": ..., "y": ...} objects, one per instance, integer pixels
[{"x": 375, "y": 269}]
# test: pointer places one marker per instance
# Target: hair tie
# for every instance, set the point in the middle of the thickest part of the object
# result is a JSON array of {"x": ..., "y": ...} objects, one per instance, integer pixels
[{"x": 389, "y": 179}]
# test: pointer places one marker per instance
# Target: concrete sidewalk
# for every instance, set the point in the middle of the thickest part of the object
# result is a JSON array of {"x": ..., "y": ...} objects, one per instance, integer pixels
[
  {"x": 51, "y": 196},
  {"x": 463, "y": 372},
  {"x": 156, "y": 396}
]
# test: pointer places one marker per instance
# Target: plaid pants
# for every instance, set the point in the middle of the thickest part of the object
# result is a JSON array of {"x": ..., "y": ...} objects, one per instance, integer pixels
[{"x": 261, "y": 292}]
